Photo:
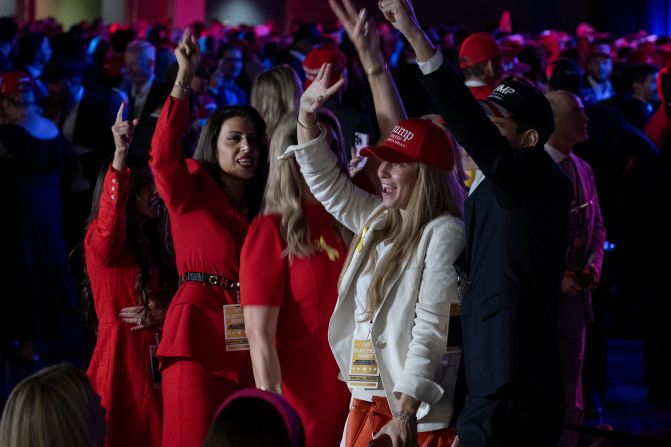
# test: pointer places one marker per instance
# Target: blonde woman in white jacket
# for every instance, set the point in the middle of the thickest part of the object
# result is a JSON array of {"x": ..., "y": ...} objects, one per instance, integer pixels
[{"x": 388, "y": 332}]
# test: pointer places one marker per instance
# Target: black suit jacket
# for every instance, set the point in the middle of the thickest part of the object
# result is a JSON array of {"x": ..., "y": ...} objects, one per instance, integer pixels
[
  {"x": 516, "y": 227},
  {"x": 148, "y": 119}
]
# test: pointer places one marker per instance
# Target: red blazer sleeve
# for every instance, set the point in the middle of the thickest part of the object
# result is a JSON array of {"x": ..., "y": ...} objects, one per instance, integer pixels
[
  {"x": 263, "y": 269},
  {"x": 174, "y": 182},
  {"x": 107, "y": 233}
]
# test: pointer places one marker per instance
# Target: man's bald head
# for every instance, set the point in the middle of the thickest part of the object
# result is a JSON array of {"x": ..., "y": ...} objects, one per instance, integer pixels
[{"x": 570, "y": 120}]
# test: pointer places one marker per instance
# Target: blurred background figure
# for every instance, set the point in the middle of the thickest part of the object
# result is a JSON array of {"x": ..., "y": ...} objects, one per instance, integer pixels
[
  {"x": 37, "y": 166},
  {"x": 255, "y": 418},
  {"x": 145, "y": 93},
  {"x": 8, "y": 32},
  {"x": 225, "y": 85},
  {"x": 33, "y": 55},
  {"x": 596, "y": 85},
  {"x": 275, "y": 94},
  {"x": 55, "y": 407},
  {"x": 481, "y": 62}
]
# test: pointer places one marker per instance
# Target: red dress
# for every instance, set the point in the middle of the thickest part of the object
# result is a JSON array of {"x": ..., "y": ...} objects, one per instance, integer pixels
[
  {"x": 306, "y": 291},
  {"x": 120, "y": 367},
  {"x": 207, "y": 231}
]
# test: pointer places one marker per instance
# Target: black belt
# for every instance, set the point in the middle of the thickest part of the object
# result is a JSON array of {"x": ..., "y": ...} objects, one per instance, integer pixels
[{"x": 221, "y": 281}]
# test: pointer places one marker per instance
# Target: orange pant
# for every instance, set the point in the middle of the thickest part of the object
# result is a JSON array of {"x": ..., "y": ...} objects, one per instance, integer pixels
[{"x": 366, "y": 418}]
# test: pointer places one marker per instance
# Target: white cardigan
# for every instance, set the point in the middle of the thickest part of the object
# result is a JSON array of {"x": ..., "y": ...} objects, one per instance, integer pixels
[{"x": 409, "y": 334}]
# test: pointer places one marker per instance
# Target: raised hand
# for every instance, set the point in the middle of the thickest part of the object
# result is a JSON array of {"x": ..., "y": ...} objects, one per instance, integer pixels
[
  {"x": 318, "y": 92},
  {"x": 400, "y": 14},
  {"x": 188, "y": 56},
  {"x": 123, "y": 135},
  {"x": 361, "y": 31}
]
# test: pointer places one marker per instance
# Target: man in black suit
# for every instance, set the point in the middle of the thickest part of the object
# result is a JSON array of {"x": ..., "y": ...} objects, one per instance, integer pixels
[
  {"x": 516, "y": 220},
  {"x": 146, "y": 94}
]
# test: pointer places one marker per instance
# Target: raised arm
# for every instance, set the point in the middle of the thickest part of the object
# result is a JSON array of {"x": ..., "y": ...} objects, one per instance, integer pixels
[
  {"x": 174, "y": 182},
  {"x": 332, "y": 187},
  {"x": 508, "y": 169},
  {"x": 107, "y": 233},
  {"x": 362, "y": 32}
]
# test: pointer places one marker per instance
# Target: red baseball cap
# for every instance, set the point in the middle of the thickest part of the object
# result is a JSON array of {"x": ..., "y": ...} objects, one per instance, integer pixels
[
  {"x": 320, "y": 55},
  {"x": 15, "y": 82},
  {"x": 416, "y": 140},
  {"x": 478, "y": 47}
]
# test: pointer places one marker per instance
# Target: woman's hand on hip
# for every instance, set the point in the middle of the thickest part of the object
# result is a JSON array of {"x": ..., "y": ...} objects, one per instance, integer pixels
[{"x": 154, "y": 317}]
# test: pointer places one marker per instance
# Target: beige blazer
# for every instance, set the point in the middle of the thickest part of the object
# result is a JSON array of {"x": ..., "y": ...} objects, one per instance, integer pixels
[{"x": 409, "y": 333}]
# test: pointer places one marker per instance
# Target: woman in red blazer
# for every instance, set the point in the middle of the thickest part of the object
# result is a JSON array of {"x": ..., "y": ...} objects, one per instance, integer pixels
[
  {"x": 210, "y": 199},
  {"x": 130, "y": 279}
]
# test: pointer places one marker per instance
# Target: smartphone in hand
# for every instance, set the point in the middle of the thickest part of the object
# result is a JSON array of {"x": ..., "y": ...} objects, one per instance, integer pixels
[{"x": 361, "y": 140}]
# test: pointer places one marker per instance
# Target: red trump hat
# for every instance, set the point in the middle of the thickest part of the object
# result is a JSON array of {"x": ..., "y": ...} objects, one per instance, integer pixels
[
  {"x": 478, "y": 47},
  {"x": 416, "y": 140},
  {"x": 320, "y": 55}
]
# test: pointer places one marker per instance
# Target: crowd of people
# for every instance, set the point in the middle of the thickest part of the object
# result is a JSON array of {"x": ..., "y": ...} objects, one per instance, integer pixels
[{"x": 359, "y": 234}]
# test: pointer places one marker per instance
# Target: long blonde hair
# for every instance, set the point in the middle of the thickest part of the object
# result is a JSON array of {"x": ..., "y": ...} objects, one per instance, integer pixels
[
  {"x": 286, "y": 192},
  {"x": 275, "y": 93},
  {"x": 436, "y": 192},
  {"x": 52, "y": 408}
]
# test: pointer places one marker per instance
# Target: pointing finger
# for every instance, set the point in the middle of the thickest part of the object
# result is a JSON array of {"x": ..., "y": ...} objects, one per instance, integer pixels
[
  {"x": 119, "y": 114},
  {"x": 186, "y": 35}
]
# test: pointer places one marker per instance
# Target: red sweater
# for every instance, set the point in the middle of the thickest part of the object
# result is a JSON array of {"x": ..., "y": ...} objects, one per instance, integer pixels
[
  {"x": 208, "y": 232},
  {"x": 119, "y": 369}
]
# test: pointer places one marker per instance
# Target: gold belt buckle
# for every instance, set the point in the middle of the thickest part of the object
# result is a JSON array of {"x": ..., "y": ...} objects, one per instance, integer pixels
[{"x": 213, "y": 279}]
